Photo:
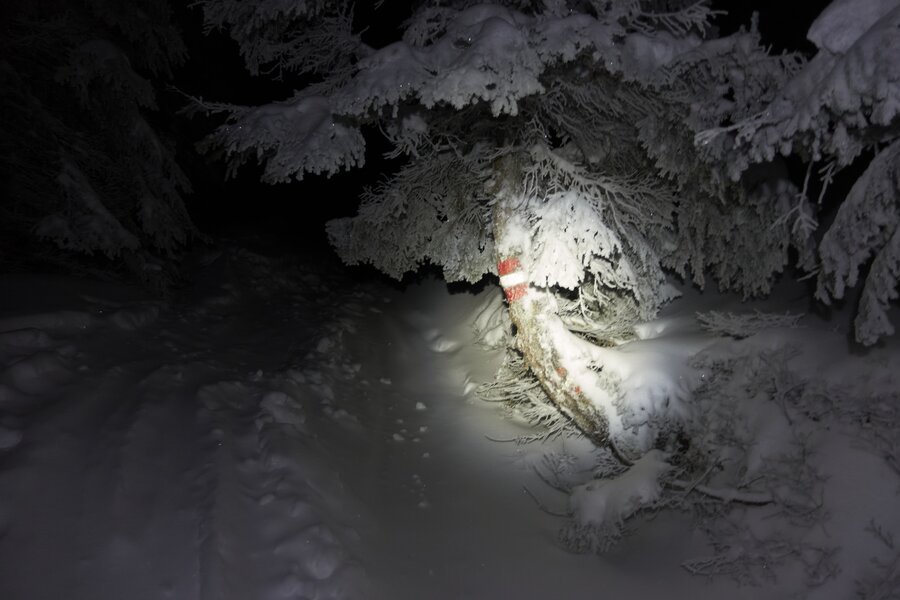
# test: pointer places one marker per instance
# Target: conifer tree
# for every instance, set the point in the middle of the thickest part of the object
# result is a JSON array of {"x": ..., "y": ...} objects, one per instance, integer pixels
[{"x": 86, "y": 171}]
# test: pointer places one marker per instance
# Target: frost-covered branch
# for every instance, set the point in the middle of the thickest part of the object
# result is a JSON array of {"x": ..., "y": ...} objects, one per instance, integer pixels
[
  {"x": 867, "y": 224},
  {"x": 299, "y": 35},
  {"x": 744, "y": 325},
  {"x": 839, "y": 107},
  {"x": 885, "y": 581},
  {"x": 291, "y": 138}
]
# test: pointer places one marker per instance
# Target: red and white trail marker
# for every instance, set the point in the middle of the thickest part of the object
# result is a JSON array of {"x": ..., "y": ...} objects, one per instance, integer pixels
[{"x": 512, "y": 279}]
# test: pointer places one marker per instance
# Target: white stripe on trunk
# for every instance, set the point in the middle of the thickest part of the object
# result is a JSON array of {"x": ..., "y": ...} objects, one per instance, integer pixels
[{"x": 508, "y": 281}]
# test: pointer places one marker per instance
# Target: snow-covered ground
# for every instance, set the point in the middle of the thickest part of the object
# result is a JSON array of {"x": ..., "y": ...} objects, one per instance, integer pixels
[{"x": 282, "y": 431}]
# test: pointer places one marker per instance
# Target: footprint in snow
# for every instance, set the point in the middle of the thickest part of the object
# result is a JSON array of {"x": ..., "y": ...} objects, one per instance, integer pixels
[
  {"x": 9, "y": 438},
  {"x": 442, "y": 344}
]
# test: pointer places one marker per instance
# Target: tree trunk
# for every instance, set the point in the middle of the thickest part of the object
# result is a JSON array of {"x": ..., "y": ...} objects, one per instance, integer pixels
[
  {"x": 549, "y": 349},
  {"x": 562, "y": 362}
]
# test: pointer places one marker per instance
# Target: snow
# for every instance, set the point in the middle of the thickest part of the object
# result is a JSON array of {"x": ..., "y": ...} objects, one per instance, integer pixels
[
  {"x": 642, "y": 54},
  {"x": 264, "y": 434},
  {"x": 615, "y": 499},
  {"x": 845, "y": 21}
]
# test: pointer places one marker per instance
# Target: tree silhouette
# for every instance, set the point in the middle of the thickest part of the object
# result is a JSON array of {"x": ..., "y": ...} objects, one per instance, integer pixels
[{"x": 84, "y": 165}]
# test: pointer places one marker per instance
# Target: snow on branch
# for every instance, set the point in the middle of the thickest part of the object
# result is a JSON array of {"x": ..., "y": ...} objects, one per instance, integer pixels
[
  {"x": 291, "y": 138},
  {"x": 434, "y": 209},
  {"x": 838, "y": 104},
  {"x": 867, "y": 224},
  {"x": 880, "y": 289},
  {"x": 427, "y": 25},
  {"x": 693, "y": 17},
  {"x": 484, "y": 53},
  {"x": 155, "y": 43},
  {"x": 606, "y": 223},
  {"x": 330, "y": 47},
  {"x": 600, "y": 507},
  {"x": 272, "y": 31},
  {"x": 100, "y": 63}
]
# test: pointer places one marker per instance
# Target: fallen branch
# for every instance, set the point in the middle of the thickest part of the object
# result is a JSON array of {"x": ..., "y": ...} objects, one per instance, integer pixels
[{"x": 725, "y": 494}]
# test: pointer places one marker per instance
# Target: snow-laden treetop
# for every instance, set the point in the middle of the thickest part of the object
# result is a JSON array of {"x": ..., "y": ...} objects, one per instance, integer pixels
[{"x": 453, "y": 57}]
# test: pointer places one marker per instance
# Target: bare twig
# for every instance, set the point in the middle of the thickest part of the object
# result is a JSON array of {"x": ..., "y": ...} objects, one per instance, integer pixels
[{"x": 543, "y": 508}]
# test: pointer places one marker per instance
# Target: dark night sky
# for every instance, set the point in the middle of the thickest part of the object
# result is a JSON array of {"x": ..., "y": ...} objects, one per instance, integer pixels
[
  {"x": 297, "y": 212},
  {"x": 782, "y": 23}
]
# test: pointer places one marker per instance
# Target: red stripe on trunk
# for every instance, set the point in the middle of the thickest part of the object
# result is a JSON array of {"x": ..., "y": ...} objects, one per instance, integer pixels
[
  {"x": 507, "y": 266},
  {"x": 516, "y": 292}
]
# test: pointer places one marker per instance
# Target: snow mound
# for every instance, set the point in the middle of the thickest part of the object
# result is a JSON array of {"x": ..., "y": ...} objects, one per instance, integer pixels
[
  {"x": 22, "y": 340},
  {"x": 442, "y": 344},
  {"x": 9, "y": 438},
  {"x": 60, "y": 322},
  {"x": 37, "y": 373},
  {"x": 610, "y": 501},
  {"x": 281, "y": 408},
  {"x": 130, "y": 319},
  {"x": 654, "y": 378}
]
